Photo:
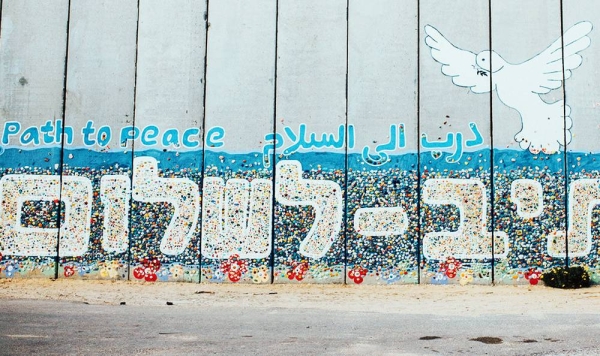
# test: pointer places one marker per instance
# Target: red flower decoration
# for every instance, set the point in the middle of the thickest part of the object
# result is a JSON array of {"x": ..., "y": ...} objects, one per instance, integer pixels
[
  {"x": 298, "y": 271},
  {"x": 138, "y": 272},
  {"x": 357, "y": 273},
  {"x": 147, "y": 270},
  {"x": 234, "y": 268},
  {"x": 450, "y": 267},
  {"x": 533, "y": 276},
  {"x": 151, "y": 277},
  {"x": 69, "y": 271}
]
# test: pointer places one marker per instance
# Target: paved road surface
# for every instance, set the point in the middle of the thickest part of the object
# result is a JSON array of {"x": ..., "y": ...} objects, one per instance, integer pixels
[{"x": 58, "y": 327}]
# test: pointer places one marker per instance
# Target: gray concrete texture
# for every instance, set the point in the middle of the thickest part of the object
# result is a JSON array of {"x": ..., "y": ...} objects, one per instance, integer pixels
[{"x": 381, "y": 64}]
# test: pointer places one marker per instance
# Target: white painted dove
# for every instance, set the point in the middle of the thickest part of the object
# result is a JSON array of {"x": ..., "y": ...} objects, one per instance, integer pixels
[{"x": 545, "y": 126}]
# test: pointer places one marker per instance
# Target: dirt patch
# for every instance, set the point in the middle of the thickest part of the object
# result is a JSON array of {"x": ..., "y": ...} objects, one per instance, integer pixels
[
  {"x": 488, "y": 340},
  {"x": 552, "y": 340},
  {"x": 390, "y": 299}
]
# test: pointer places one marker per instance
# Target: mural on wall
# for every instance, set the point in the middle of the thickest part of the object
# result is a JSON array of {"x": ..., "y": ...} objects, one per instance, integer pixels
[
  {"x": 265, "y": 148},
  {"x": 519, "y": 86}
]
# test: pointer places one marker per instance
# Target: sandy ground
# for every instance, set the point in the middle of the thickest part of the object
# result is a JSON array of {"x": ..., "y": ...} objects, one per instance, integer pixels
[{"x": 403, "y": 299}]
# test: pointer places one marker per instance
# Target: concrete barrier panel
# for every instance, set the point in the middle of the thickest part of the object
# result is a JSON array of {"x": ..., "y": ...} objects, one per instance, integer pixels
[
  {"x": 168, "y": 161},
  {"x": 33, "y": 40},
  {"x": 382, "y": 218},
  {"x": 455, "y": 143},
  {"x": 528, "y": 135},
  {"x": 582, "y": 93},
  {"x": 239, "y": 161},
  {"x": 99, "y": 104},
  {"x": 311, "y": 119}
]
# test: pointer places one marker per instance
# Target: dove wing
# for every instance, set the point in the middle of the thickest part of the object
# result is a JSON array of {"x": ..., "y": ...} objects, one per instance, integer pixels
[
  {"x": 458, "y": 64},
  {"x": 544, "y": 72}
]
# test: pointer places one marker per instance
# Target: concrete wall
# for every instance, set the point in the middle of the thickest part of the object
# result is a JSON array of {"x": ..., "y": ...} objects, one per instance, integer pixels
[{"x": 337, "y": 141}]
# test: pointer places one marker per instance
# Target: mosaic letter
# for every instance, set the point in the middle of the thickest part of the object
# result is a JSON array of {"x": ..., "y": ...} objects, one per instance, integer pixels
[
  {"x": 323, "y": 195},
  {"x": 21, "y": 240},
  {"x": 527, "y": 195},
  {"x": 470, "y": 240},
  {"x": 115, "y": 195},
  {"x": 236, "y": 218},
  {"x": 182, "y": 193},
  {"x": 380, "y": 221},
  {"x": 584, "y": 195}
]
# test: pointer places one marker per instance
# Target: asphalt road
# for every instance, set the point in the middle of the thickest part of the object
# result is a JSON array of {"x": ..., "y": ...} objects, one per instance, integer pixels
[{"x": 56, "y": 327}]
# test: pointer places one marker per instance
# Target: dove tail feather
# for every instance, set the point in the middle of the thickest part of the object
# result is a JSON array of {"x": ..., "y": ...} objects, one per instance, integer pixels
[
  {"x": 547, "y": 129},
  {"x": 568, "y": 120},
  {"x": 566, "y": 115},
  {"x": 568, "y": 124}
]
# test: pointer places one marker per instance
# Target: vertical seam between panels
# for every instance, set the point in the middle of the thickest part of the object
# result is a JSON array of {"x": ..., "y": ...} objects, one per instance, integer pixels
[
  {"x": 129, "y": 214},
  {"x": 419, "y": 231},
  {"x": 62, "y": 146},
  {"x": 345, "y": 220},
  {"x": 274, "y": 128},
  {"x": 491, "y": 118},
  {"x": 565, "y": 157},
  {"x": 1, "y": 6},
  {"x": 202, "y": 170}
]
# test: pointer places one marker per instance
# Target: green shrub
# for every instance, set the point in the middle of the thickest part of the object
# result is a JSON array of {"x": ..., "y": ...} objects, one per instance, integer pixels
[{"x": 563, "y": 277}]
